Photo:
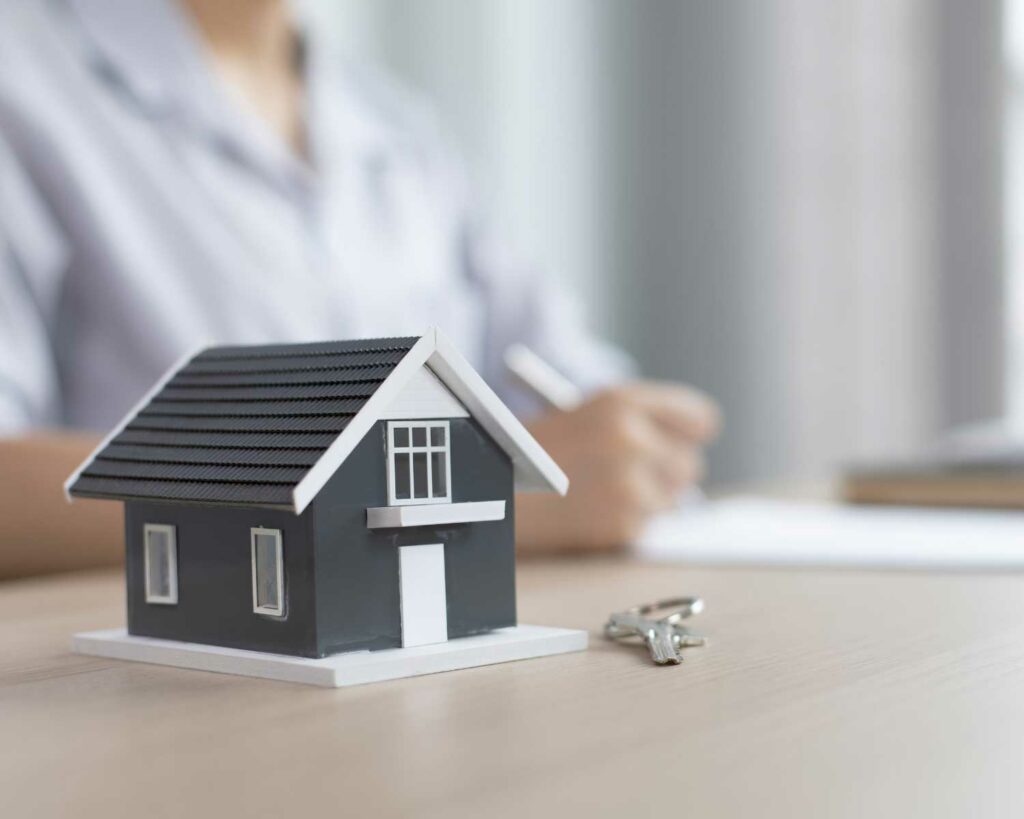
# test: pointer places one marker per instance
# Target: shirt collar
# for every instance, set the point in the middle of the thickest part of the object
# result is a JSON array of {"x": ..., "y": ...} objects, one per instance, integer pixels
[
  {"x": 149, "y": 47},
  {"x": 345, "y": 124}
]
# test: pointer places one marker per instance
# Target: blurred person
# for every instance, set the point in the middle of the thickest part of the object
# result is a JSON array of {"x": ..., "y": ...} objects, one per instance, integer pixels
[{"x": 174, "y": 173}]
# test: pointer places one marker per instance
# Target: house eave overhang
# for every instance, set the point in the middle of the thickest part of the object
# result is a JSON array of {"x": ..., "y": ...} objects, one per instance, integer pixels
[{"x": 153, "y": 391}]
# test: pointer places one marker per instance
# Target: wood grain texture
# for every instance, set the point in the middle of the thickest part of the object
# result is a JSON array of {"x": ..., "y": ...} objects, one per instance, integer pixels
[{"x": 822, "y": 694}]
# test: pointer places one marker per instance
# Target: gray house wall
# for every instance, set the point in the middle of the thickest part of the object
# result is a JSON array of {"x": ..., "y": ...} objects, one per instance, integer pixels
[
  {"x": 357, "y": 594},
  {"x": 215, "y": 578},
  {"x": 341, "y": 579}
]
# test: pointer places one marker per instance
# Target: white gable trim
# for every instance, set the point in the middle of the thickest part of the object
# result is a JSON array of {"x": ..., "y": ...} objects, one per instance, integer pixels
[
  {"x": 424, "y": 397},
  {"x": 132, "y": 413},
  {"x": 535, "y": 471},
  {"x": 334, "y": 456}
]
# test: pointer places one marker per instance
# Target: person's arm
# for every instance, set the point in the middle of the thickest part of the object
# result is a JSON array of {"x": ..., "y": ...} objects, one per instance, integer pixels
[{"x": 41, "y": 532}]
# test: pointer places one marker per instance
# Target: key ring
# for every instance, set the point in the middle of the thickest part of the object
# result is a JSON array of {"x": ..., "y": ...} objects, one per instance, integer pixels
[
  {"x": 678, "y": 608},
  {"x": 664, "y": 636},
  {"x": 684, "y": 607}
]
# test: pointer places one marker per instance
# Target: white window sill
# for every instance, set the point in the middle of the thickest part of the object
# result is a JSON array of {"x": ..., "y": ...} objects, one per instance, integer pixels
[{"x": 433, "y": 514}]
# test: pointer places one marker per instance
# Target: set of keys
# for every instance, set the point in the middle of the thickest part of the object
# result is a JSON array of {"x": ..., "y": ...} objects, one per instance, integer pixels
[{"x": 660, "y": 627}]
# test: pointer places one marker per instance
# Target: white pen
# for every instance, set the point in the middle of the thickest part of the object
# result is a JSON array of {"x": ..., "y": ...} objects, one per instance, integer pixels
[{"x": 542, "y": 379}]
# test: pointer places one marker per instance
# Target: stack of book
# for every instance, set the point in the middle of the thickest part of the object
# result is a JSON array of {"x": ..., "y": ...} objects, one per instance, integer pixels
[
  {"x": 980, "y": 467},
  {"x": 950, "y": 486}
]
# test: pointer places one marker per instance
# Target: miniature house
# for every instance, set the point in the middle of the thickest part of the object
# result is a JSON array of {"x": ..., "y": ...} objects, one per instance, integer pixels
[{"x": 310, "y": 499}]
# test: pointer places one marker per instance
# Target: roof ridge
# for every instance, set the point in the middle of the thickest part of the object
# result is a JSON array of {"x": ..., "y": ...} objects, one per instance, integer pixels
[{"x": 310, "y": 349}]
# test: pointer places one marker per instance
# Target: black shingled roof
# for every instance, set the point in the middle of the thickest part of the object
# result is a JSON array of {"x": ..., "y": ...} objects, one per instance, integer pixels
[{"x": 241, "y": 425}]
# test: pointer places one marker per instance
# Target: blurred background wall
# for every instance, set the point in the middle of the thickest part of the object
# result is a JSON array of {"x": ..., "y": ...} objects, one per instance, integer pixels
[{"x": 797, "y": 206}]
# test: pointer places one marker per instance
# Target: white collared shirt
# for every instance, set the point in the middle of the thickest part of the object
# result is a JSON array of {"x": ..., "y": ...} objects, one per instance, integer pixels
[{"x": 144, "y": 212}]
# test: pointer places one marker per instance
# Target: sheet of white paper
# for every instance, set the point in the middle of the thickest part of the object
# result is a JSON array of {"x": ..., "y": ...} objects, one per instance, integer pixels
[{"x": 755, "y": 531}]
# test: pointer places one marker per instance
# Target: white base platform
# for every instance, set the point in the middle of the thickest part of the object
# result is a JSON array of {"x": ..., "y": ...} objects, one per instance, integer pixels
[{"x": 354, "y": 668}]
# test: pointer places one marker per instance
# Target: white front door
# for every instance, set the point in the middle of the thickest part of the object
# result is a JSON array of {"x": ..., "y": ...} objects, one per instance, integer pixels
[{"x": 424, "y": 602}]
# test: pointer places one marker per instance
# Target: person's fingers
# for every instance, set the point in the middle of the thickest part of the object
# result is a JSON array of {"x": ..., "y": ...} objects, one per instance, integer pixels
[
  {"x": 680, "y": 466},
  {"x": 640, "y": 496},
  {"x": 633, "y": 437},
  {"x": 644, "y": 492},
  {"x": 639, "y": 438},
  {"x": 630, "y": 435},
  {"x": 682, "y": 410}
]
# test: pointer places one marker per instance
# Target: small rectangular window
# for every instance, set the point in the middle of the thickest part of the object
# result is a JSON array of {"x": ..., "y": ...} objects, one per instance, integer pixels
[
  {"x": 160, "y": 559},
  {"x": 419, "y": 462},
  {"x": 267, "y": 572}
]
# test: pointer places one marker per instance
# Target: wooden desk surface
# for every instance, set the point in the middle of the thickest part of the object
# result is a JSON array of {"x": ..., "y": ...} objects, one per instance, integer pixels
[{"x": 822, "y": 694}]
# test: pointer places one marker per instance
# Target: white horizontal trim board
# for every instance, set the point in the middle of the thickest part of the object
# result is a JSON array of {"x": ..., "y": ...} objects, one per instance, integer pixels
[
  {"x": 433, "y": 514},
  {"x": 424, "y": 397},
  {"x": 354, "y": 668}
]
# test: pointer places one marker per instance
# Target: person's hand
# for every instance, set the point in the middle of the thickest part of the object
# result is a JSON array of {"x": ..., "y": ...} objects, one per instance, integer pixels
[{"x": 629, "y": 452}]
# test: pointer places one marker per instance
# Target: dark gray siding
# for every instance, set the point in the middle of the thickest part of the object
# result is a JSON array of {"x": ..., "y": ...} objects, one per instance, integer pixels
[
  {"x": 353, "y": 602},
  {"x": 215, "y": 578},
  {"x": 357, "y": 569}
]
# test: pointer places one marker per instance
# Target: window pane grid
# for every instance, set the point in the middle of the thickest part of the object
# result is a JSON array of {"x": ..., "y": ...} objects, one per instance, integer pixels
[{"x": 419, "y": 462}]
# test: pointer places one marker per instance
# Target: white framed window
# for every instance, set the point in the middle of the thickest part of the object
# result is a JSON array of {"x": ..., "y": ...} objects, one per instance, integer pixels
[
  {"x": 267, "y": 572},
  {"x": 160, "y": 563},
  {"x": 419, "y": 462}
]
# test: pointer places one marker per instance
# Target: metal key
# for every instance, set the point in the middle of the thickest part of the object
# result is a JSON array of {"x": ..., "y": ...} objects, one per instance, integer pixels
[
  {"x": 660, "y": 638},
  {"x": 683, "y": 638},
  {"x": 664, "y": 637}
]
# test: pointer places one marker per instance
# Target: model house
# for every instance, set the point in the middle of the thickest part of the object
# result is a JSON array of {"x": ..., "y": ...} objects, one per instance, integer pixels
[{"x": 310, "y": 499}]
